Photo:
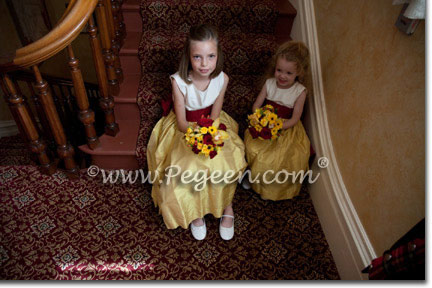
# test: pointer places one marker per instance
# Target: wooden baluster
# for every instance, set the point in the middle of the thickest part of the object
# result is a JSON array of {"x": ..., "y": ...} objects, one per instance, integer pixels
[
  {"x": 22, "y": 117},
  {"x": 106, "y": 99},
  {"x": 107, "y": 52},
  {"x": 120, "y": 28},
  {"x": 64, "y": 150},
  {"x": 115, "y": 46},
  {"x": 86, "y": 115},
  {"x": 42, "y": 118},
  {"x": 26, "y": 103},
  {"x": 6, "y": 95}
]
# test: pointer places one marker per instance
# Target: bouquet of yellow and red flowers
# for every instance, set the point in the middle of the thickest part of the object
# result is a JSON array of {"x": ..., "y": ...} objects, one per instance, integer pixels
[
  {"x": 264, "y": 123},
  {"x": 206, "y": 136}
]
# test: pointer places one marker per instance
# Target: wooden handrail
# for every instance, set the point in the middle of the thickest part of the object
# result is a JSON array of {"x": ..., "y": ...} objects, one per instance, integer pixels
[
  {"x": 57, "y": 39},
  {"x": 77, "y": 15}
]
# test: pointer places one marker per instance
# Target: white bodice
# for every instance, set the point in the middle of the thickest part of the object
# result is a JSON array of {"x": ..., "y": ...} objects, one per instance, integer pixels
[
  {"x": 196, "y": 99},
  {"x": 285, "y": 97}
]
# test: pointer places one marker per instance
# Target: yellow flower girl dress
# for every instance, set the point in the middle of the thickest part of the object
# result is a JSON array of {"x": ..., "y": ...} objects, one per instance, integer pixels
[
  {"x": 167, "y": 152},
  {"x": 290, "y": 151}
]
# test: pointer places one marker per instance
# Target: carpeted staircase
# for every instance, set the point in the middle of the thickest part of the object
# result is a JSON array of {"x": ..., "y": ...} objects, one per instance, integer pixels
[
  {"x": 55, "y": 228},
  {"x": 247, "y": 32}
]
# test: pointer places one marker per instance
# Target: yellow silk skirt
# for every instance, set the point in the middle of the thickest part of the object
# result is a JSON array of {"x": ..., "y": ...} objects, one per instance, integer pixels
[
  {"x": 290, "y": 152},
  {"x": 181, "y": 201}
]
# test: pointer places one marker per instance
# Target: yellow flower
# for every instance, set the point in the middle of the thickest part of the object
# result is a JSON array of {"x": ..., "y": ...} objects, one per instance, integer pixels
[
  {"x": 273, "y": 137},
  {"x": 272, "y": 117},
  {"x": 264, "y": 122},
  {"x": 267, "y": 113},
  {"x": 254, "y": 122},
  {"x": 205, "y": 150},
  {"x": 199, "y": 146},
  {"x": 258, "y": 128},
  {"x": 189, "y": 130},
  {"x": 269, "y": 107},
  {"x": 192, "y": 141},
  {"x": 212, "y": 130},
  {"x": 203, "y": 130},
  {"x": 279, "y": 124},
  {"x": 274, "y": 131},
  {"x": 199, "y": 138}
]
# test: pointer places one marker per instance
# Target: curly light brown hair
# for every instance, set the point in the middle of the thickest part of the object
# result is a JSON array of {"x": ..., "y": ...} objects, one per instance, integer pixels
[{"x": 291, "y": 51}]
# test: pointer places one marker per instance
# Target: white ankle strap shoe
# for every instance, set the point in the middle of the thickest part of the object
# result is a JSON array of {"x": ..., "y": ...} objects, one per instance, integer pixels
[
  {"x": 199, "y": 232},
  {"x": 226, "y": 233}
]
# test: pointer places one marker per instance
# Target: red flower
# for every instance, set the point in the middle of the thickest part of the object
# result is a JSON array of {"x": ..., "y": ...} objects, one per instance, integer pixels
[
  {"x": 253, "y": 132},
  {"x": 266, "y": 133},
  {"x": 212, "y": 154},
  {"x": 195, "y": 149},
  {"x": 220, "y": 145},
  {"x": 222, "y": 127},
  {"x": 207, "y": 139},
  {"x": 205, "y": 122}
]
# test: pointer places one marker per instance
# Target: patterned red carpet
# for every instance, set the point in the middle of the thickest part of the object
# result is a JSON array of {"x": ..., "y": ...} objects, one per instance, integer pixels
[{"x": 55, "y": 228}]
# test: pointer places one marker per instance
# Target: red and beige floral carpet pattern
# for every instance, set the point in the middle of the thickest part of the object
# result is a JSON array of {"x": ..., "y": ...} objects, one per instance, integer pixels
[{"x": 55, "y": 228}]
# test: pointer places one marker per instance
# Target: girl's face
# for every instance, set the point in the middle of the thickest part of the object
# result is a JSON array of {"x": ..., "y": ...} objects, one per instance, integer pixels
[
  {"x": 285, "y": 73},
  {"x": 203, "y": 57}
]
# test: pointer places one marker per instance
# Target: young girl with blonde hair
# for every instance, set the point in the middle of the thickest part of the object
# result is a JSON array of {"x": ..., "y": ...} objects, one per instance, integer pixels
[
  {"x": 198, "y": 90},
  {"x": 285, "y": 90}
]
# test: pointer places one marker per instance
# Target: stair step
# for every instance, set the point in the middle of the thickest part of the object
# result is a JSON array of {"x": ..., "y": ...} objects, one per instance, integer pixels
[
  {"x": 132, "y": 17},
  {"x": 131, "y": 5},
  {"x": 227, "y": 15},
  {"x": 119, "y": 151},
  {"x": 130, "y": 65},
  {"x": 126, "y": 109},
  {"x": 123, "y": 143},
  {"x": 131, "y": 43},
  {"x": 245, "y": 53},
  {"x": 129, "y": 87}
]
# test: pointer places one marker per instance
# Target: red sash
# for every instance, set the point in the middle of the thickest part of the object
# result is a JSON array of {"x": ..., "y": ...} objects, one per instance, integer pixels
[
  {"x": 194, "y": 116},
  {"x": 282, "y": 111}
]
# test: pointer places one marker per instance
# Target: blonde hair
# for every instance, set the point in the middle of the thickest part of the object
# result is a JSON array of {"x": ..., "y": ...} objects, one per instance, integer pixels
[
  {"x": 201, "y": 32},
  {"x": 292, "y": 51}
]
